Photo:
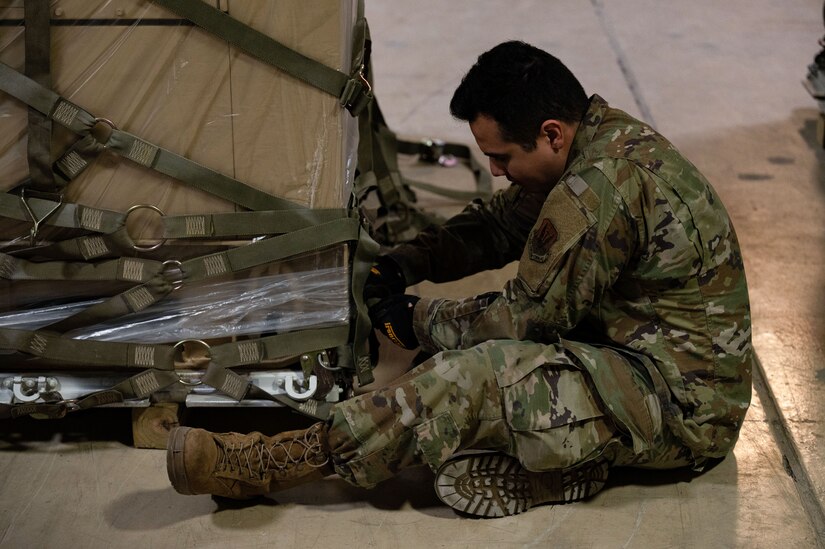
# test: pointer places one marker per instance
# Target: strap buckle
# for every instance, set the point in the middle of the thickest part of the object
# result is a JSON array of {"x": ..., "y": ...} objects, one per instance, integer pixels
[
  {"x": 432, "y": 151},
  {"x": 357, "y": 92},
  {"x": 70, "y": 404}
]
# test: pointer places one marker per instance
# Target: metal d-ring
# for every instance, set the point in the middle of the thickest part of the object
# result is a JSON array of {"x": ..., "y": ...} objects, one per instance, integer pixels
[
  {"x": 175, "y": 266},
  {"x": 150, "y": 207},
  {"x": 107, "y": 122},
  {"x": 175, "y": 347}
]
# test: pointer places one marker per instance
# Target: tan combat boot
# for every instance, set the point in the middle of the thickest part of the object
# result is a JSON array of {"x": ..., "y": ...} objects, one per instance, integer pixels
[{"x": 241, "y": 466}]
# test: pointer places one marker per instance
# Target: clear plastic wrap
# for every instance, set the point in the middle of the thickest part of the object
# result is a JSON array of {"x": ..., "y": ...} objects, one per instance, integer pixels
[
  {"x": 175, "y": 85},
  {"x": 164, "y": 80},
  {"x": 264, "y": 305}
]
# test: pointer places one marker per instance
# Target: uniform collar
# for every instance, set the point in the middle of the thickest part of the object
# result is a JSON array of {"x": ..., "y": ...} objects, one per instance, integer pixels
[{"x": 587, "y": 127}]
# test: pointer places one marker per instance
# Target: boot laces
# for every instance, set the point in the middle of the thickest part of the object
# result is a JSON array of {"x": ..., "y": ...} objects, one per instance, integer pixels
[{"x": 256, "y": 459}]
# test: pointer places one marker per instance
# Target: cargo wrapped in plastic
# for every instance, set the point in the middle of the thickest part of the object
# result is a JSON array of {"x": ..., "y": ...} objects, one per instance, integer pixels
[{"x": 180, "y": 187}]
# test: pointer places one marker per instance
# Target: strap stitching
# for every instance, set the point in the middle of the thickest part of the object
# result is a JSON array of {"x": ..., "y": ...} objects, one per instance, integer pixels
[{"x": 144, "y": 355}]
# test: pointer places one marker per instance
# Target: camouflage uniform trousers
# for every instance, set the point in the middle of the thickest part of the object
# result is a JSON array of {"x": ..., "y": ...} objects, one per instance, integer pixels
[{"x": 532, "y": 401}]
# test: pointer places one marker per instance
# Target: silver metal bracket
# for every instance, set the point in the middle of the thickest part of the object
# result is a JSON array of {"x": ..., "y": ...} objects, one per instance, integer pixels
[
  {"x": 29, "y": 388},
  {"x": 303, "y": 393}
]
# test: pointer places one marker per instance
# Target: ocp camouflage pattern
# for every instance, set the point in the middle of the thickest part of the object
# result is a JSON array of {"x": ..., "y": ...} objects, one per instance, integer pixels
[
  {"x": 473, "y": 399},
  {"x": 641, "y": 259}
]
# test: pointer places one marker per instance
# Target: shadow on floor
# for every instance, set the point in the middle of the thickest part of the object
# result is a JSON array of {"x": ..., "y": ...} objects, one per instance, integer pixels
[{"x": 115, "y": 425}]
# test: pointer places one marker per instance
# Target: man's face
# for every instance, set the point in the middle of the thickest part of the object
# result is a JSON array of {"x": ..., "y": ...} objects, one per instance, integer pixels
[{"x": 537, "y": 170}]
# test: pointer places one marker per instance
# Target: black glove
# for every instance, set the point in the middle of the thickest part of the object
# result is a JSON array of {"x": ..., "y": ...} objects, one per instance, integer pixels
[
  {"x": 394, "y": 317},
  {"x": 385, "y": 279}
]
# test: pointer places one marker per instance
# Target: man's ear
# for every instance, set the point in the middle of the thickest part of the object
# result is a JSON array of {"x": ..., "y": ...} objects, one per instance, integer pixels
[{"x": 553, "y": 131}]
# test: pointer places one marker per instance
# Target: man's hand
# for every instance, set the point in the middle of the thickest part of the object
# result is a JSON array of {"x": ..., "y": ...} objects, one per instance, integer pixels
[
  {"x": 394, "y": 317},
  {"x": 385, "y": 279}
]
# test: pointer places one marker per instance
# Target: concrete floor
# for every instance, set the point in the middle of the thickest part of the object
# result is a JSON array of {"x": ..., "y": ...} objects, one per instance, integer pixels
[{"x": 722, "y": 81}]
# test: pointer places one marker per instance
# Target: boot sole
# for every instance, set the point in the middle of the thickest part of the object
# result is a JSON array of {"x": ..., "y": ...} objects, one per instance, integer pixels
[
  {"x": 174, "y": 461},
  {"x": 496, "y": 485}
]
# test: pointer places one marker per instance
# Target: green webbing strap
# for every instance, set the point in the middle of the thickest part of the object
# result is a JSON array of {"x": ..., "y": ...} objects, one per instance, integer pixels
[
  {"x": 87, "y": 353},
  {"x": 272, "y": 249},
  {"x": 160, "y": 360},
  {"x": 44, "y": 100},
  {"x": 38, "y": 67},
  {"x": 364, "y": 257},
  {"x": 484, "y": 181},
  {"x": 321, "y": 410},
  {"x": 137, "y": 150},
  {"x": 124, "y": 269},
  {"x": 461, "y": 196},
  {"x": 255, "y": 351},
  {"x": 247, "y": 223},
  {"x": 378, "y": 166},
  {"x": 377, "y": 159},
  {"x": 77, "y": 158},
  {"x": 138, "y": 386},
  {"x": 85, "y": 247},
  {"x": 217, "y": 264},
  {"x": 352, "y": 91},
  {"x": 75, "y": 216},
  {"x": 240, "y": 388},
  {"x": 78, "y": 216},
  {"x": 53, "y": 408},
  {"x": 194, "y": 174},
  {"x": 143, "y": 384}
]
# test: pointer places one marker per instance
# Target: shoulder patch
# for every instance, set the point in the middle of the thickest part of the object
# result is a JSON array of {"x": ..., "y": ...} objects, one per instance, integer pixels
[
  {"x": 541, "y": 239},
  {"x": 562, "y": 222}
]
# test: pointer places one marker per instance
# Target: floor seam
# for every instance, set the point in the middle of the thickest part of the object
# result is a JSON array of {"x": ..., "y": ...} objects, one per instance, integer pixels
[
  {"x": 624, "y": 66},
  {"x": 791, "y": 460}
]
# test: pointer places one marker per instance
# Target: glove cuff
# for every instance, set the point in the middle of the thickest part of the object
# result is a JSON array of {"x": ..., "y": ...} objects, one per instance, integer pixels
[{"x": 391, "y": 274}]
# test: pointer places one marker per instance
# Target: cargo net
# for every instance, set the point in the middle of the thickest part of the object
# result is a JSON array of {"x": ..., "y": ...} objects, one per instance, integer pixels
[{"x": 176, "y": 216}]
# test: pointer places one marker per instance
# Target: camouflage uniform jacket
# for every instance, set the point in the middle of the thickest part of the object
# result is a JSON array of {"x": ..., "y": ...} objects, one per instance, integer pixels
[{"x": 632, "y": 249}]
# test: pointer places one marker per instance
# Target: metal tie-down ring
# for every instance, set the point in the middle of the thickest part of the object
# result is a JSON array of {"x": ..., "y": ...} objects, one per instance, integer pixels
[
  {"x": 182, "y": 342},
  {"x": 150, "y": 207}
]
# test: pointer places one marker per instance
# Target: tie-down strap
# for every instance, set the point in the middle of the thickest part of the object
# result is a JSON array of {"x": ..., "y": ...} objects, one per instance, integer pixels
[
  {"x": 87, "y": 354},
  {"x": 60, "y": 214},
  {"x": 157, "y": 363},
  {"x": 54, "y": 406},
  {"x": 113, "y": 240},
  {"x": 135, "y": 149},
  {"x": 352, "y": 90},
  {"x": 170, "y": 277},
  {"x": 159, "y": 279},
  {"x": 126, "y": 269}
]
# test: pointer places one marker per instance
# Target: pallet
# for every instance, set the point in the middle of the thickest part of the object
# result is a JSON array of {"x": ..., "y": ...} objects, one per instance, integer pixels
[{"x": 151, "y": 426}]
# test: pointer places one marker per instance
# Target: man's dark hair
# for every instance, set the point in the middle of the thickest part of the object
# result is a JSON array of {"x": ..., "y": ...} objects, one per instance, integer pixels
[{"x": 519, "y": 86}]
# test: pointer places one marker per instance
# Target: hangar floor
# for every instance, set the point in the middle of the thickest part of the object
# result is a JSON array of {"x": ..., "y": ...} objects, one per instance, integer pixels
[{"x": 722, "y": 81}]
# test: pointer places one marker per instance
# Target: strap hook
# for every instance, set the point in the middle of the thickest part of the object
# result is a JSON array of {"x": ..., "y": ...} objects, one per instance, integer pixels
[{"x": 35, "y": 221}]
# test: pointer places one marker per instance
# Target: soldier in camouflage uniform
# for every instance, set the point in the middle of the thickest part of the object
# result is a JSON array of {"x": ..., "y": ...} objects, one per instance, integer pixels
[{"x": 624, "y": 339}]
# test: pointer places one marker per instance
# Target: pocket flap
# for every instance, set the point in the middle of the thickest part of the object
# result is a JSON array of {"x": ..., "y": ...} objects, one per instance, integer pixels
[{"x": 549, "y": 398}]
